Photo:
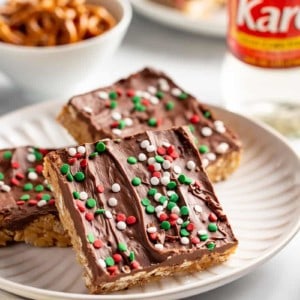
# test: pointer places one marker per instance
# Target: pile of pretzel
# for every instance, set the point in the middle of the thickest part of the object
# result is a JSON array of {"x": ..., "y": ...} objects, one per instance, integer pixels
[{"x": 52, "y": 22}]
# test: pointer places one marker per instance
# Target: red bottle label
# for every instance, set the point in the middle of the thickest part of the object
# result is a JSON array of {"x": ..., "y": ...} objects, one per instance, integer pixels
[{"x": 265, "y": 33}]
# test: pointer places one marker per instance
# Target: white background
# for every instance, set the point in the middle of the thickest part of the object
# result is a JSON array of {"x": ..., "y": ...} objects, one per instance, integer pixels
[{"x": 195, "y": 63}]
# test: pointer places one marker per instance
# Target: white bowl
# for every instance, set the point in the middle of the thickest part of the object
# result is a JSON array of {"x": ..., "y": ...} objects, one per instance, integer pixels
[{"x": 45, "y": 72}]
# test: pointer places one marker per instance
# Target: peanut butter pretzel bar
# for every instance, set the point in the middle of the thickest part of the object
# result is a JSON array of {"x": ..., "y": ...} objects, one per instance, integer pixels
[{"x": 139, "y": 209}]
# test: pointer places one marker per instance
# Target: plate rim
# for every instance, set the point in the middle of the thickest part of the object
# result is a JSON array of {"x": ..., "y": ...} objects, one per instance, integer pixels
[{"x": 216, "y": 281}]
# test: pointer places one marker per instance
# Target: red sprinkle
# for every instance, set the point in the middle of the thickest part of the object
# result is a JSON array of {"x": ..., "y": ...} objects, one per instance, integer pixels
[
  {"x": 161, "y": 150},
  {"x": 107, "y": 103},
  {"x": 20, "y": 202},
  {"x": 151, "y": 168},
  {"x": 171, "y": 149},
  {"x": 78, "y": 155},
  {"x": 159, "y": 122},
  {"x": 174, "y": 155},
  {"x": 173, "y": 217},
  {"x": 15, "y": 181},
  {"x": 100, "y": 188},
  {"x": 114, "y": 124},
  {"x": 117, "y": 258},
  {"x": 83, "y": 163},
  {"x": 190, "y": 227},
  {"x": 153, "y": 236},
  {"x": 44, "y": 151},
  {"x": 131, "y": 220},
  {"x": 168, "y": 157},
  {"x": 89, "y": 216},
  {"x": 130, "y": 93},
  {"x": 80, "y": 206},
  {"x": 39, "y": 169},
  {"x": 194, "y": 119},
  {"x": 20, "y": 176},
  {"x": 15, "y": 165},
  {"x": 97, "y": 244},
  {"x": 39, "y": 196},
  {"x": 156, "y": 174},
  {"x": 119, "y": 91},
  {"x": 51, "y": 202},
  {"x": 112, "y": 270},
  {"x": 121, "y": 217},
  {"x": 212, "y": 217},
  {"x": 72, "y": 160},
  {"x": 195, "y": 240},
  {"x": 135, "y": 265},
  {"x": 145, "y": 102},
  {"x": 163, "y": 217},
  {"x": 173, "y": 222},
  {"x": 198, "y": 184},
  {"x": 32, "y": 202}
]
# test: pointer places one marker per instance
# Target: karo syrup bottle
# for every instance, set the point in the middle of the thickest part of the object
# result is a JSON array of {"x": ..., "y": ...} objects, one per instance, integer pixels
[{"x": 261, "y": 73}]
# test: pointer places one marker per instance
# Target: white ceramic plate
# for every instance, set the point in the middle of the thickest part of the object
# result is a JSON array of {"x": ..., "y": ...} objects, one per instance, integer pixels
[
  {"x": 262, "y": 200},
  {"x": 212, "y": 24}
]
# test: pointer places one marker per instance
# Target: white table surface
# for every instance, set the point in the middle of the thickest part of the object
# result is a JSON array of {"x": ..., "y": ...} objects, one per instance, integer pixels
[{"x": 195, "y": 64}]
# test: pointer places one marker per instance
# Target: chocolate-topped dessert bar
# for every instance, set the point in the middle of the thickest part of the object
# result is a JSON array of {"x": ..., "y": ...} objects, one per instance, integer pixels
[
  {"x": 149, "y": 100},
  {"x": 27, "y": 205},
  {"x": 139, "y": 208}
]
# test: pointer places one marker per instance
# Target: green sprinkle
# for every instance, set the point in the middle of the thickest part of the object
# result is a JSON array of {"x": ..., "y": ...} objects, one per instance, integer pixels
[
  {"x": 122, "y": 124},
  {"x": 170, "y": 105},
  {"x": 76, "y": 195},
  {"x": 162, "y": 199},
  {"x": 159, "y": 159},
  {"x": 46, "y": 197},
  {"x": 91, "y": 238},
  {"x": 136, "y": 99},
  {"x": 38, "y": 156},
  {"x": 182, "y": 178},
  {"x": 64, "y": 169},
  {"x": 184, "y": 211},
  {"x": 150, "y": 209},
  {"x": 203, "y": 237},
  {"x": 192, "y": 128},
  {"x": 100, "y": 147},
  {"x": 93, "y": 155},
  {"x": 79, "y": 176},
  {"x": 165, "y": 225},
  {"x": 113, "y": 95},
  {"x": 122, "y": 247},
  {"x": 113, "y": 104},
  {"x": 99, "y": 211},
  {"x": 7, "y": 155},
  {"x": 136, "y": 181},
  {"x": 152, "y": 192},
  {"x": 212, "y": 227},
  {"x": 184, "y": 224},
  {"x": 25, "y": 197},
  {"x": 109, "y": 261},
  {"x": 152, "y": 122},
  {"x": 211, "y": 246},
  {"x": 70, "y": 177},
  {"x": 39, "y": 188},
  {"x": 1, "y": 176},
  {"x": 171, "y": 205},
  {"x": 90, "y": 203},
  {"x": 183, "y": 96},
  {"x": 145, "y": 202},
  {"x": 203, "y": 149},
  {"x": 30, "y": 170},
  {"x": 131, "y": 256},
  {"x": 207, "y": 114},
  {"x": 28, "y": 187},
  {"x": 184, "y": 232},
  {"x": 49, "y": 187},
  {"x": 159, "y": 94},
  {"x": 139, "y": 107},
  {"x": 188, "y": 180},
  {"x": 171, "y": 185},
  {"x": 174, "y": 198},
  {"x": 131, "y": 160}
]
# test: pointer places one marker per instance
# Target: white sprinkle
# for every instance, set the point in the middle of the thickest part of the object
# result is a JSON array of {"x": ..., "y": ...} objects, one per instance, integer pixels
[
  {"x": 198, "y": 208},
  {"x": 167, "y": 174},
  {"x": 116, "y": 116},
  {"x": 162, "y": 81},
  {"x": 169, "y": 193},
  {"x": 5, "y": 188},
  {"x": 159, "y": 246},
  {"x": 83, "y": 196},
  {"x": 221, "y": 129},
  {"x": 165, "y": 180},
  {"x": 166, "y": 144},
  {"x": 152, "y": 89},
  {"x": 177, "y": 169},
  {"x": 101, "y": 263},
  {"x": 151, "y": 161},
  {"x": 166, "y": 164},
  {"x": 31, "y": 158},
  {"x": 176, "y": 92},
  {"x": 165, "y": 87},
  {"x": 154, "y": 181},
  {"x": 222, "y": 148},
  {"x": 116, "y": 188},
  {"x": 184, "y": 240},
  {"x": 108, "y": 214},
  {"x": 142, "y": 157},
  {"x": 159, "y": 208},
  {"x": 165, "y": 204},
  {"x": 151, "y": 229},
  {"x": 146, "y": 95},
  {"x": 144, "y": 144},
  {"x": 32, "y": 176},
  {"x": 117, "y": 131},
  {"x": 139, "y": 93},
  {"x": 150, "y": 148},
  {"x": 154, "y": 100},
  {"x": 211, "y": 156},
  {"x": 158, "y": 214},
  {"x": 202, "y": 232},
  {"x": 128, "y": 121},
  {"x": 112, "y": 202},
  {"x": 205, "y": 162},
  {"x": 103, "y": 95},
  {"x": 1, "y": 183},
  {"x": 175, "y": 210},
  {"x": 157, "y": 166},
  {"x": 81, "y": 149},
  {"x": 206, "y": 131},
  {"x": 157, "y": 196},
  {"x": 179, "y": 221},
  {"x": 87, "y": 109},
  {"x": 121, "y": 225},
  {"x": 218, "y": 123},
  {"x": 72, "y": 151},
  {"x": 41, "y": 203},
  {"x": 190, "y": 165},
  {"x": 30, "y": 149}
]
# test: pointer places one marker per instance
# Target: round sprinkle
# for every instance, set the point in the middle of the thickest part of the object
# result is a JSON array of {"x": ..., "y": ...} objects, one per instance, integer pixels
[
  {"x": 32, "y": 176},
  {"x": 117, "y": 131},
  {"x": 211, "y": 156},
  {"x": 116, "y": 116},
  {"x": 179, "y": 221},
  {"x": 159, "y": 246},
  {"x": 150, "y": 148},
  {"x": 1, "y": 176},
  {"x": 131, "y": 160},
  {"x": 136, "y": 181},
  {"x": 113, "y": 95},
  {"x": 131, "y": 220},
  {"x": 144, "y": 144},
  {"x": 203, "y": 149},
  {"x": 184, "y": 211},
  {"x": 170, "y": 105},
  {"x": 28, "y": 187},
  {"x": 177, "y": 169},
  {"x": 222, "y": 148},
  {"x": 171, "y": 205},
  {"x": 159, "y": 208},
  {"x": 145, "y": 202},
  {"x": 72, "y": 151},
  {"x": 103, "y": 95},
  {"x": 64, "y": 169},
  {"x": 116, "y": 188},
  {"x": 154, "y": 100},
  {"x": 165, "y": 180},
  {"x": 70, "y": 177},
  {"x": 165, "y": 225},
  {"x": 205, "y": 162},
  {"x": 206, "y": 131},
  {"x": 212, "y": 227},
  {"x": 171, "y": 185},
  {"x": 100, "y": 147},
  {"x": 151, "y": 229},
  {"x": 142, "y": 157},
  {"x": 157, "y": 196},
  {"x": 174, "y": 197},
  {"x": 150, "y": 209},
  {"x": 183, "y": 96},
  {"x": 184, "y": 232},
  {"x": 81, "y": 149},
  {"x": 128, "y": 121},
  {"x": 152, "y": 89},
  {"x": 152, "y": 122},
  {"x": 5, "y": 188},
  {"x": 112, "y": 202},
  {"x": 122, "y": 247},
  {"x": 90, "y": 203},
  {"x": 83, "y": 196},
  {"x": 198, "y": 208},
  {"x": 152, "y": 192},
  {"x": 108, "y": 214},
  {"x": 211, "y": 246},
  {"x": 184, "y": 241},
  {"x": 31, "y": 157},
  {"x": 167, "y": 174},
  {"x": 121, "y": 225},
  {"x": 154, "y": 180},
  {"x": 176, "y": 92},
  {"x": 175, "y": 210},
  {"x": 190, "y": 165},
  {"x": 79, "y": 176},
  {"x": 159, "y": 159},
  {"x": 42, "y": 203},
  {"x": 167, "y": 164},
  {"x": 163, "y": 199},
  {"x": 151, "y": 160},
  {"x": 109, "y": 261},
  {"x": 157, "y": 166}
]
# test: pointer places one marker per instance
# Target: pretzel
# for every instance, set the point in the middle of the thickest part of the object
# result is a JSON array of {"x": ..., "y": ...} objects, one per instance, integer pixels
[{"x": 52, "y": 22}]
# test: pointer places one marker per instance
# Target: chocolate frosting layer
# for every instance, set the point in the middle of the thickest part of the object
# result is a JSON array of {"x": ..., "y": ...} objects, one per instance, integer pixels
[
  {"x": 24, "y": 192},
  {"x": 140, "y": 203},
  {"x": 150, "y": 100}
]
